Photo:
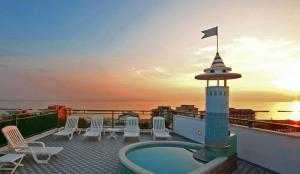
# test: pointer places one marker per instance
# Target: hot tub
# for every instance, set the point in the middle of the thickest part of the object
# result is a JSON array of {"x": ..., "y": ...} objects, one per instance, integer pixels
[{"x": 163, "y": 157}]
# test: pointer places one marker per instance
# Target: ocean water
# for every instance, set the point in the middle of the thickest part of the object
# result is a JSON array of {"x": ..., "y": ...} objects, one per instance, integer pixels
[{"x": 272, "y": 107}]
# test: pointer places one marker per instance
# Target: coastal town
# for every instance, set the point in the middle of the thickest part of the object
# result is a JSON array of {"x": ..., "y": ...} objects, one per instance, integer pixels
[{"x": 246, "y": 117}]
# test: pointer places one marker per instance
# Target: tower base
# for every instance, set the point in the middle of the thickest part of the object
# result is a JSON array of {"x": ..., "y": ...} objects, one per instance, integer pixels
[
  {"x": 227, "y": 167},
  {"x": 207, "y": 154},
  {"x": 217, "y": 146}
]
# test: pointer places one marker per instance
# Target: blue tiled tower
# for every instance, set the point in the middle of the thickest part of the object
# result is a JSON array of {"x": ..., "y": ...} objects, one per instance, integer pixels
[{"x": 217, "y": 103}]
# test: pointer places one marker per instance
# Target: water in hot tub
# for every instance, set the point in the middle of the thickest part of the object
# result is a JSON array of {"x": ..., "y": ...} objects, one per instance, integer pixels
[{"x": 165, "y": 160}]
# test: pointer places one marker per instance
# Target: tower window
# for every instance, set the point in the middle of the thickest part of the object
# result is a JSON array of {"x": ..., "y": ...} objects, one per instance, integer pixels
[{"x": 212, "y": 71}]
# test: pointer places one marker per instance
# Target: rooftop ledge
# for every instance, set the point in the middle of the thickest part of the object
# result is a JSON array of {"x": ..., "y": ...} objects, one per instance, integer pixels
[{"x": 297, "y": 136}]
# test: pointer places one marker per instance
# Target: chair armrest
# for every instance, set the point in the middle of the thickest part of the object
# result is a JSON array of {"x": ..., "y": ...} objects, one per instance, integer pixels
[
  {"x": 32, "y": 151},
  {"x": 60, "y": 129},
  {"x": 72, "y": 129},
  {"x": 38, "y": 142},
  {"x": 87, "y": 129},
  {"x": 167, "y": 130},
  {"x": 20, "y": 147},
  {"x": 77, "y": 130}
]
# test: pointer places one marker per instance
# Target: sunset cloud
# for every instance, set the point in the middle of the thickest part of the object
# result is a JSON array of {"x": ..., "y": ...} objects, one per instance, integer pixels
[{"x": 147, "y": 50}]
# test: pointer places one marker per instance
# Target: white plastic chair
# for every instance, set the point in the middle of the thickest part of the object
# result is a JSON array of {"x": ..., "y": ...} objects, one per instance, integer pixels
[
  {"x": 10, "y": 162},
  {"x": 159, "y": 129},
  {"x": 19, "y": 145},
  {"x": 132, "y": 128},
  {"x": 69, "y": 129},
  {"x": 96, "y": 128}
]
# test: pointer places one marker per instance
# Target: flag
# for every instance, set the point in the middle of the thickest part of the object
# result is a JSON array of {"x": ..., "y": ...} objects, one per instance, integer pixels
[{"x": 210, "y": 32}]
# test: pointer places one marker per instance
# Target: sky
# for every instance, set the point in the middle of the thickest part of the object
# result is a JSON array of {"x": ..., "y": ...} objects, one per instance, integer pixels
[{"x": 146, "y": 50}]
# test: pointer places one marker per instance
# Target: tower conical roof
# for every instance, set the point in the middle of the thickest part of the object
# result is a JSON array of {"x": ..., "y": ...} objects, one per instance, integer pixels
[
  {"x": 218, "y": 62},
  {"x": 217, "y": 66},
  {"x": 217, "y": 71}
]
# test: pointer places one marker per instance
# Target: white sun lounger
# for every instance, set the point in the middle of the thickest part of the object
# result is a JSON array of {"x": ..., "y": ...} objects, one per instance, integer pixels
[
  {"x": 96, "y": 128},
  {"x": 19, "y": 145},
  {"x": 11, "y": 162},
  {"x": 159, "y": 129},
  {"x": 132, "y": 128},
  {"x": 69, "y": 129}
]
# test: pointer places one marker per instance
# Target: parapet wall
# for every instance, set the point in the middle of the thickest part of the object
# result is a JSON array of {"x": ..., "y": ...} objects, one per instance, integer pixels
[
  {"x": 272, "y": 150},
  {"x": 189, "y": 127}
]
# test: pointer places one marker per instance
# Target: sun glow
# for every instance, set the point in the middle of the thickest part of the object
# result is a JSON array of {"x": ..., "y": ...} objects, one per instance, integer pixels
[
  {"x": 296, "y": 110},
  {"x": 290, "y": 84}
]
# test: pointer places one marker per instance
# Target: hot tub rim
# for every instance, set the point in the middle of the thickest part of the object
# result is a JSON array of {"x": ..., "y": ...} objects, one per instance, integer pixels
[{"x": 137, "y": 169}]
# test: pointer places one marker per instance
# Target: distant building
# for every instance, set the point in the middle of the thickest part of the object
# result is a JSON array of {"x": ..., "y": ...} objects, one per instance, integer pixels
[
  {"x": 122, "y": 118},
  {"x": 247, "y": 114},
  {"x": 164, "y": 111},
  {"x": 10, "y": 113},
  {"x": 18, "y": 111},
  {"x": 5, "y": 115},
  {"x": 187, "y": 110}
]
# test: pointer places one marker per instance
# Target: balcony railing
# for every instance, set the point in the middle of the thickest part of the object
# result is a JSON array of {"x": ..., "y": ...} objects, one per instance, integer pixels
[
  {"x": 279, "y": 127},
  {"x": 39, "y": 122},
  {"x": 268, "y": 125},
  {"x": 111, "y": 117},
  {"x": 30, "y": 124}
]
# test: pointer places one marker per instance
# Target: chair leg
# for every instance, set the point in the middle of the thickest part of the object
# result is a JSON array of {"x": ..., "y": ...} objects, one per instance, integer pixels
[
  {"x": 17, "y": 164},
  {"x": 70, "y": 136},
  {"x": 79, "y": 132},
  {"x": 99, "y": 138},
  {"x": 14, "y": 167}
]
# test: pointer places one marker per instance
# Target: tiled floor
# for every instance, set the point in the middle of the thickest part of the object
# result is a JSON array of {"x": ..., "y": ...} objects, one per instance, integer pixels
[{"x": 88, "y": 156}]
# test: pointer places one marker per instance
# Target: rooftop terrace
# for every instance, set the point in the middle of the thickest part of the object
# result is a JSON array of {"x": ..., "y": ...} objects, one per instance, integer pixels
[
  {"x": 256, "y": 147},
  {"x": 86, "y": 156}
]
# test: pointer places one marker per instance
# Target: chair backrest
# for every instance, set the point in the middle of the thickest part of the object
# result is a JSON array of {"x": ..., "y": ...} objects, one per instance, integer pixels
[
  {"x": 132, "y": 123},
  {"x": 72, "y": 122},
  {"x": 14, "y": 137},
  {"x": 159, "y": 123},
  {"x": 97, "y": 122}
]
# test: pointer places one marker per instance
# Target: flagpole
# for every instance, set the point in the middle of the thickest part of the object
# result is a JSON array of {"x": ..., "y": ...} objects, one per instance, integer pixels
[{"x": 217, "y": 42}]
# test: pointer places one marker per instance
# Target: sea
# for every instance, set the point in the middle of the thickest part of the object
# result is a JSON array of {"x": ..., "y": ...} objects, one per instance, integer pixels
[{"x": 291, "y": 109}]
